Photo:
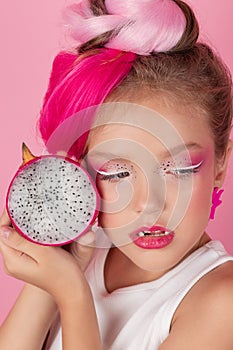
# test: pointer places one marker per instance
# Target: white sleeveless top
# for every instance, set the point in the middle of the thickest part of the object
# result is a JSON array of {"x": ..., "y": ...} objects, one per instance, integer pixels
[{"x": 139, "y": 317}]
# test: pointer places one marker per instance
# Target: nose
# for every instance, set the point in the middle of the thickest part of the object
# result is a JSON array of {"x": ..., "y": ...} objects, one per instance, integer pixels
[
  {"x": 151, "y": 208},
  {"x": 150, "y": 196}
]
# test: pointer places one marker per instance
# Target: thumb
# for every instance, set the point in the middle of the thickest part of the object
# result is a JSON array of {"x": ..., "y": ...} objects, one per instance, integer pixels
[
  {"x": 4, "y": 219},
  {"x": 83, "y": 249}
]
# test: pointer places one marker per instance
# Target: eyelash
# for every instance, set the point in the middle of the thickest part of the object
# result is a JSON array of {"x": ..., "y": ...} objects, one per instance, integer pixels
[
  {"x": 179, "y": 172},
  {"x": 114, "y": 177},
  {"x": 184, "y": 172}
]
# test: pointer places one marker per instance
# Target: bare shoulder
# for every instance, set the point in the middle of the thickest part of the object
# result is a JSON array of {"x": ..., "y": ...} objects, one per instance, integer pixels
[
  {"x": 213, "y": 293},
  {"x": 204, "y": 318},
  {"x": 219, "y": 279},
  {"x": 218, "y": 282}
]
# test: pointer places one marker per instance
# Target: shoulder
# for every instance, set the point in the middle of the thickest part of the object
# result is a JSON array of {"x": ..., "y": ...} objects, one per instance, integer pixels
[
  {"x": 204, "y": 318},
  {"x": 213, "y": 293},
  {"x": 216, "y": 283}
]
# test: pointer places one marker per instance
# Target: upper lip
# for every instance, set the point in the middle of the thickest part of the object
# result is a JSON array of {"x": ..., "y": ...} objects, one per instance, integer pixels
[{"x": 134, "y": 235}]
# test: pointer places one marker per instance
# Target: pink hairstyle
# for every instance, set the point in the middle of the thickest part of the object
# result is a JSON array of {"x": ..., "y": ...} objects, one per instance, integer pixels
[
  {"x": 139, "y": 26},
  {"x": 76, "y": 84}
]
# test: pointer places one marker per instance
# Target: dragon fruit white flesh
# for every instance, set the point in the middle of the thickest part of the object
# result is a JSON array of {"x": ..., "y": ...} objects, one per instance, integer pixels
[{"x": 51, "y": 200}]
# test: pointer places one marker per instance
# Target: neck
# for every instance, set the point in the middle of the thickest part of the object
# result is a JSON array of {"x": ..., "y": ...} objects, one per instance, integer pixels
[{"x": 120, "y": 271}]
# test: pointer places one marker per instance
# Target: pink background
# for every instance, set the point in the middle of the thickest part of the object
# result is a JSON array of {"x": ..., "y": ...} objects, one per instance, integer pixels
[{"x": 30, "y": 36}]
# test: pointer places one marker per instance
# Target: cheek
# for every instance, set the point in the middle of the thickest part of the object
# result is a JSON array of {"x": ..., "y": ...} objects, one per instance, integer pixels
[
  {"x": 107, "y": 190},
  {"x": 203, "y": 183},
  {"x": 201, "y": 197},
  {"x": 108, "y": 194},
  {"x": 115, "y": 201}
]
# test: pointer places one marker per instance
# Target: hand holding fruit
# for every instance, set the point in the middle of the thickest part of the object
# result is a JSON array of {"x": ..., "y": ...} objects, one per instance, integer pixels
[
  {"x": 52, "y": 200},
  {"x": 52, "y": 269}
]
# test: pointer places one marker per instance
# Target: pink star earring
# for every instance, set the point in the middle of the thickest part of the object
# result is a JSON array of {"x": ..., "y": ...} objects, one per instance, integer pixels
[{"x": 215, "y": 201}]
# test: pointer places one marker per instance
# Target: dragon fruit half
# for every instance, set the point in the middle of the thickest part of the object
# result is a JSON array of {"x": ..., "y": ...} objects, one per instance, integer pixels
[{"x": 51, "y": 199}]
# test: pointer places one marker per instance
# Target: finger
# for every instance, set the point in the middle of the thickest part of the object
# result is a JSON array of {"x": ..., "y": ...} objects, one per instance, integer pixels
[
  {"x": 8, "y": 251},
  {"x": 13, "y": 239},
  {"x": 4, "y": 219},
  {"x": 61, "y": 153},
  {"x": 65, "y": 154},
  {"x": 15, "y": 262}
]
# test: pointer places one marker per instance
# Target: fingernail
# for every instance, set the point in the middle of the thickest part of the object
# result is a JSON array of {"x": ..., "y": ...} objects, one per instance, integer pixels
[
  {"x": 5, "y": 232},
  {"x": 95, "y": 226}
]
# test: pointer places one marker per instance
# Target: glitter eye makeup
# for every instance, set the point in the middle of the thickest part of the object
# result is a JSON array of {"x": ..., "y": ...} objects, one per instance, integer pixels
[
  {"x": 178, "y": 169},
  {"x": 116, "y": 171}
]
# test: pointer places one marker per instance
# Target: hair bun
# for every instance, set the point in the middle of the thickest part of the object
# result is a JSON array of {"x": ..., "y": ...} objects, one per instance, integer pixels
[
  {"x": 139, "y": 26},
  {"x": 153, "y": 25},
  {"x": 85, "y": 26}
]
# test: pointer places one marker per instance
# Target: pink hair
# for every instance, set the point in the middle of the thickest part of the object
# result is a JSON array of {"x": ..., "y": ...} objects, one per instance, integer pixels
[
  {"x": 139, "y": 26},
  {"x": 76, "y": 84}
]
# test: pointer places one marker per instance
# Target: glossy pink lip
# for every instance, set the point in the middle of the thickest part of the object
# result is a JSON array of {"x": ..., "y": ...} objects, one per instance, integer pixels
[{"x": 152, "y": 242}]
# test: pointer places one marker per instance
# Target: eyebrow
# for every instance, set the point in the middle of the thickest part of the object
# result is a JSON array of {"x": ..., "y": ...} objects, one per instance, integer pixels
[{"x": 173, "y": 151}]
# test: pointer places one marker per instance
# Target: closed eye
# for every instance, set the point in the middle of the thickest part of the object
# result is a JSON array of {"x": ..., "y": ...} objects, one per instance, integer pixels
[
  {"x": 185, "y": 171},
  {"x": 113, "y": 177}
]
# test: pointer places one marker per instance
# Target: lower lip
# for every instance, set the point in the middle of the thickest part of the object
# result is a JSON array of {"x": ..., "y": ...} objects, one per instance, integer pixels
[{"x": 150, "y": 242}]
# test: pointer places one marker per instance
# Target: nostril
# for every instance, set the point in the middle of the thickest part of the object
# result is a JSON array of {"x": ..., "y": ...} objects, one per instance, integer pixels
[
  {"x": 150, "y": 211},
  {"x": 150, "y": 207}
]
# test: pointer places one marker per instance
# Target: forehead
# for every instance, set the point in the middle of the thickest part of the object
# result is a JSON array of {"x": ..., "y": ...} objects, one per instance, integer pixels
[{"x": 127, "y": 127}]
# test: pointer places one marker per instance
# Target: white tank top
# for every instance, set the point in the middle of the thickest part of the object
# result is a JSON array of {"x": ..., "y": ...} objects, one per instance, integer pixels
[{"x": 139, "y": 317}]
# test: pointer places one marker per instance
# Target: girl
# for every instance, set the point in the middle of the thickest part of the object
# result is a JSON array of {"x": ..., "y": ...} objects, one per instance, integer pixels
[{"x": 149, "y": 277}]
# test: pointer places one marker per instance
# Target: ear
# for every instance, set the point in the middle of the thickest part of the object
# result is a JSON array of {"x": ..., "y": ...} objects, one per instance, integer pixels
[{"x": 221, "y": 166}]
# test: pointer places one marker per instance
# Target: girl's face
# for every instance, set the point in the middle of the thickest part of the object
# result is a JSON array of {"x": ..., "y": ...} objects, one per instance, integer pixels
[{"x": 154, "y": 179}]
